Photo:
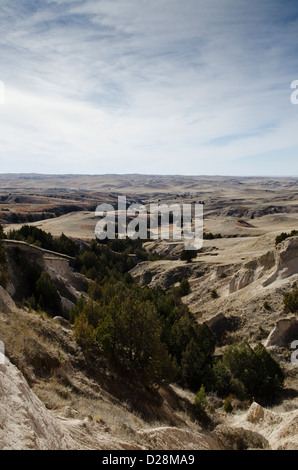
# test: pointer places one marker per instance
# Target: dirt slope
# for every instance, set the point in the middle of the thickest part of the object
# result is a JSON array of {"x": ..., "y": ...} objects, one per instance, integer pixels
[
  {"x": 279, "y": 429},
  {"x": 25, "y": 422}
]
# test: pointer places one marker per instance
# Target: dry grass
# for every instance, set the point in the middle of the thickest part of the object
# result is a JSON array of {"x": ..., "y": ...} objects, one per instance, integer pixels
[
  {"x": 54, "y": 367},
  {"x": 48, "y": 355}
]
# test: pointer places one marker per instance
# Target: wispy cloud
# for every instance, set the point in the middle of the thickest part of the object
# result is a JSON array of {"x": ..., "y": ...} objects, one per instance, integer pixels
[{"x": 147, "y": 86}]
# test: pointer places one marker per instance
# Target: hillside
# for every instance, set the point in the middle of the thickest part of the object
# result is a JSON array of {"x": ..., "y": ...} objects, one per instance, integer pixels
[
  {"x": 56, "y": 397},
  {"x": 59, "y": 405}
]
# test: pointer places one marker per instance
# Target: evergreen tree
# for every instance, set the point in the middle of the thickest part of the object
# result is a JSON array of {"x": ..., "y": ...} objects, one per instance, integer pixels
[{"x": 47, "y": 294}]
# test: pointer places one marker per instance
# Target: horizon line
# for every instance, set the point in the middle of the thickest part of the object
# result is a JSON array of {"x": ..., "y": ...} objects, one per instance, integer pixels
[{"x": 148, "y": 174}]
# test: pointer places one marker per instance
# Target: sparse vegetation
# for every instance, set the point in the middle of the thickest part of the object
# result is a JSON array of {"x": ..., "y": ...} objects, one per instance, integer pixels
[
  {"x": 290, "y": 300},
  {"x": 228, "y": 407},
  {"x": 184, "y": 287},
  {"x": 201, "y": 401},
  {"x": 38, "y": 237},
  {"x": 284, "y": 235},
  {"x": 262, "y": 333},
  {"x": 125, "y": 344},
  {"x": 188, "y": 255},
  {"x": 149, "y": 332},
  {"x": 211, "y": 236},
  {"x": 121, "y": 317},
  {"x": 214, "y": 294},
  {"x": 46, "y": 294}
]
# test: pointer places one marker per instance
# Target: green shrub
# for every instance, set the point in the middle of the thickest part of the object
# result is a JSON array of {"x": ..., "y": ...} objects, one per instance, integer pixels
[
  {"x": 188, "y": 255},
  {"x": 228, "y": 407},
  {"x": 211, "y": 236},
  {"x": 197, "y": 358},
  {"x": 3, "y": 277},
  {"x": 127, "y": 332},
  {"x": 184, "y": 288},
  {"x": 224, "y": 383},
  {"x": 283, "y": 236},
  {"x": 201, "y": 401},
  {"x": 84, "y": 333},
  {"x": 214, "y": 294},
  {"x": 47, "y": 295},
  {"x": 290, "y": 300},
  {"x": 260, "y": 375},
  {"x": 42, "y": 239}
]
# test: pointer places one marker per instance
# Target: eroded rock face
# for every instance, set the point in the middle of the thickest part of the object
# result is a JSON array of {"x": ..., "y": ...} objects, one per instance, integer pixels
[
  {"x": 25, "y": 260},
  {"x": 255, "y": 413},
  {"x": 286, "y": 261},
  {"x": 285, "y": 330},
  {"x": 164, "y": 273},
  {"x": 288, "y": 256},
  {"x": 239, "y": 438},
  {"x": 252, "y": 271},
  {"x": 280, "y": 430},
  {"x": 6, "y": 302},
  {"x": 25, "y": 423},
  {"x": 283, "y": 262},
  {"x": 62, "y": 321}
]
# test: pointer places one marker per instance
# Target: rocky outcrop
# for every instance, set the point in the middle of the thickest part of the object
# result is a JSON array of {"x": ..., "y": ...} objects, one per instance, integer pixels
[
  {"x": 26, "y": 262},
  {"x": 240, "y": 438},
  {"x": 218, "y": 324},
  {"x": 285, "y": 331},
  {"x": 280, "y": 430},
  {"x": 286, "y": 261},
  {"x": 6, "y": 302},
  {"x": 165, "y": 273},
  {"x": 283, "y": 262},
  {"x": 252, "y": 271},
  {"x": 255, "y": 413},
  {"x": 61, "y": 321},
  {"x": 25, "y": 423}
]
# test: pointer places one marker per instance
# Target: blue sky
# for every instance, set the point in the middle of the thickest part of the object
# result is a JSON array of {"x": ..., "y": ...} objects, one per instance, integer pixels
[{"x": 149, "y": 86}]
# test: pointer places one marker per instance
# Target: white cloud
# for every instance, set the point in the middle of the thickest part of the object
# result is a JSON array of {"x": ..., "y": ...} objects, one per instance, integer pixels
[{"x": 145, "y": 86}]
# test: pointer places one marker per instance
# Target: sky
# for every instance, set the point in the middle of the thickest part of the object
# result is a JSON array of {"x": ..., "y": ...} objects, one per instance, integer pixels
[{"x": 199, "y": 87}]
